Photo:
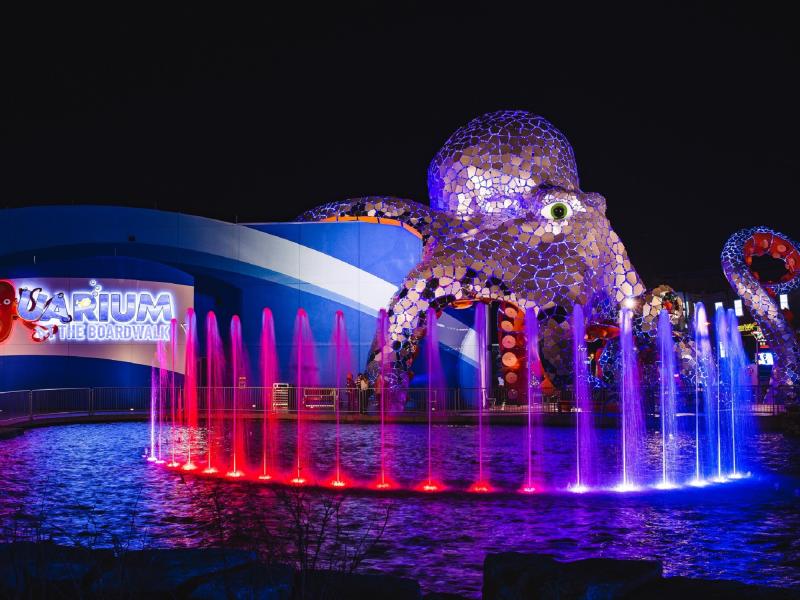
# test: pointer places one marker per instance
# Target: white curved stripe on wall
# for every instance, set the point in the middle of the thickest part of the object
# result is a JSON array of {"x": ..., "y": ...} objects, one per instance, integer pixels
[{"x": 324, "y": 275}]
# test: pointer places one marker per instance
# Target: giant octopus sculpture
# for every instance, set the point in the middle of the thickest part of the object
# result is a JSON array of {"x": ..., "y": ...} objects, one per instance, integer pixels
[{"x": 507, "y": 222}]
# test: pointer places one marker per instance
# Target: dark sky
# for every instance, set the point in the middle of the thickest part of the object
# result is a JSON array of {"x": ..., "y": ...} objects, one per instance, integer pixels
[{"x": 684, "y": 116}]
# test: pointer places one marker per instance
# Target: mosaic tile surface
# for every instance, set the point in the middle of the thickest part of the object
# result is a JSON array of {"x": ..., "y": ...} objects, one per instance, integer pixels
[
  {"x": 507, "y": 222},
  {"x": 762, "y": 298}
]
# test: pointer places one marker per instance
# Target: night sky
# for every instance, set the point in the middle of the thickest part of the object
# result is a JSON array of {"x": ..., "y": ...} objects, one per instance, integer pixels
[{"x": 684, "y": 118}]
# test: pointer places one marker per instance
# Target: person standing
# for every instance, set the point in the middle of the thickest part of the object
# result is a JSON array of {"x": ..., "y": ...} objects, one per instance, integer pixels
[
  {"x": 351, "y": 393},
  {"x": 363, "y": 393}
]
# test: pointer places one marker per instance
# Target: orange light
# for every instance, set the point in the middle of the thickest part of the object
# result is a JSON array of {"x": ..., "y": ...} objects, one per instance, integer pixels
[
  {"x": 480, "y": 487},
  {"x": 461, "y": 304}
]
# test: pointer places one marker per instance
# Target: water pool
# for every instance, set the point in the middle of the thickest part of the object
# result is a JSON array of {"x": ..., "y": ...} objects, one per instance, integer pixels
[{"x": 91, "y": 483}]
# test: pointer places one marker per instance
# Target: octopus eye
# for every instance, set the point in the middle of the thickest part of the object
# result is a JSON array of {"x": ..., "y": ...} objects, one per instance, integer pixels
[
  {"x": 6, "y": 301},
  {"x": 557, "y": 211}
]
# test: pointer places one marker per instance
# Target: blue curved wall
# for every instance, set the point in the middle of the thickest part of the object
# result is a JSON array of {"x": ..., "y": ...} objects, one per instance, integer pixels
[{"x": 354, "y": 267}]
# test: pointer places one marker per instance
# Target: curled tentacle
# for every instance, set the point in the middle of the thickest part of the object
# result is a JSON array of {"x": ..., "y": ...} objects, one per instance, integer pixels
[
  {"x": 760, "y": 297},
  {"x": 412, "y": 214}
]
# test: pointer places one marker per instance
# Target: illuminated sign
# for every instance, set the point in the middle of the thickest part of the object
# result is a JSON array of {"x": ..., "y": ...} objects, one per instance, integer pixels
[
  {"x": 766, "y": 359},
  {"x": 95, "y": 314},
  {"x": 753, "y": 330}
]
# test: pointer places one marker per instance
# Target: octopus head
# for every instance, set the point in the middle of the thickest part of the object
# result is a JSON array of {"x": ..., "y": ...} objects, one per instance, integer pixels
[
  {"x": 506, "y": 189},
  {"x": 496, "y": 164}
]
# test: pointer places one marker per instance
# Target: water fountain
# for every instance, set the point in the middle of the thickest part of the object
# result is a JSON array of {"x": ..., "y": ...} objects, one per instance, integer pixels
[
  {"x": 238, "y": 366},
  {"x": 215, "y": 373},
  {"x": 723, "y": 373},
  {"x": 481, "y": 329},
  {"x": 190, "y": 387},
  {"x": 737, "y": 398},
  {"x": 269, "y": 376},
  {"x": 435, "y": 392},
  {"x": 382, "y": 333},
  {"x": 699, "y": 329},
  {"x": 152, "y": 456},
  {"x": 666, "y": 357},
  {"x": 631, "y": 416},
  {"x": 707, "y": 387},
  {"x": 533, "y": 372},
  {"x": 341, "y": 366},
  {"x": 173, "y": 399},
  {"x": 306, "y": 379},
  {"x": 720, "y": 407},
  {"x": 585, "y": 446},
  {"x": 161, "y": 359}
]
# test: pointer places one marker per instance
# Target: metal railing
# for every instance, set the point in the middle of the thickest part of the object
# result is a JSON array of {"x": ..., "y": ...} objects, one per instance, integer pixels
[
  {"x": 283, "y": 399},
  {"x": 32, "y": 404}
]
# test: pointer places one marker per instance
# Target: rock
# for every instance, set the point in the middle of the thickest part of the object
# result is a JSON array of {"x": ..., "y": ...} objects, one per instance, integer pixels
[
  {"x": 510, "y": 576},
  {"x": 6, "y": 433},
  {"x": 443, "y": 596},
  {"x": 252, "y": 582},
  {"x": 166, "y": 573},
  {"x": 330, "y": 585},
  {"x": 44, "y": 569},
  {"x": 670, "y": 588},
  {"x": 598, "y": 578}
]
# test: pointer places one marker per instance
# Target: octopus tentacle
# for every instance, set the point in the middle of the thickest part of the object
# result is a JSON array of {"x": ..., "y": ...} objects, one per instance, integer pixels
[
  {"x": 759, "y": 297},
  {"x": 408, "y": 311},
  {"x": 412, "y": 214}
]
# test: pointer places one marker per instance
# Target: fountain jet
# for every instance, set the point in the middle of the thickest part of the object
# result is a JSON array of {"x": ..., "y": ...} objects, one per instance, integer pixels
[
  {"x": 534, "y": 374},
  {"x": 341, "y": 363},
  {"x": 435, "y": 390},
  {"x": 269, "y": 375},
  {"x": 215, "y": 369},
  {"x": 190, "y": 387},
  {"x": 238, "y": 377},
  {"x": 584, "y": 415},
  {"x": 306, "y": 376},
  {"x": 631, "y": 414},
  {"x": 481, "y": 329},
  {"x": 666, "y": 355}
]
